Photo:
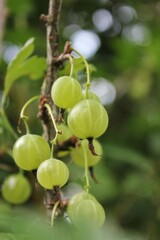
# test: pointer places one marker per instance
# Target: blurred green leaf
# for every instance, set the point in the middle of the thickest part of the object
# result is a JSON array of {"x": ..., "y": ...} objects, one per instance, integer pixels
[
  {"x": 13, "y": 67},
  {"x": 22, "y": 65},
  {"x": 13, "y": 236},
  {"x": 34, "y": 67}
]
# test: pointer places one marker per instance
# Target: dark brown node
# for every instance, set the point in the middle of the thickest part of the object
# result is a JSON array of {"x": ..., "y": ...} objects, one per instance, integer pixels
[{"x": 91, "y": 146}]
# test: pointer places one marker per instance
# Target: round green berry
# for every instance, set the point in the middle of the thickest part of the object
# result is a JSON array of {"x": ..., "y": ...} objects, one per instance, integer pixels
[
  {"x": 66, "y": 92},
  {"x": 52, "y": 172},
  {"x": 16, "y": 189},
  {"x": 66, "y": 134},
  {"x": 78, "y": 155},
  {"x": 84, "y": 210},
  {"x": 88, "y": 119},
  {"x": 30, "y": 150}
]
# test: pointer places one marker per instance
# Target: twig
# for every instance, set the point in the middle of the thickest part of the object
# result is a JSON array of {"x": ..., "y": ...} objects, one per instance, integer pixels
[{"x": 52, "y": 24}]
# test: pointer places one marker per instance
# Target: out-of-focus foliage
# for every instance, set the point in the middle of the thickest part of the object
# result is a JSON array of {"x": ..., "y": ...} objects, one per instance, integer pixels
[
  {"x": 121, "y": 39},
  {"x": 23, "y": 65}
]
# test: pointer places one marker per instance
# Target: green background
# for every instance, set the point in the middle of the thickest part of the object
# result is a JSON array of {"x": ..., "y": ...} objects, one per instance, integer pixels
[{"x": 129, "y": 171}]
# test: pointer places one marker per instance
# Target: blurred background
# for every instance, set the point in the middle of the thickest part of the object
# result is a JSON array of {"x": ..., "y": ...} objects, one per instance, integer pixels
[{"x": 122, "y": 40}]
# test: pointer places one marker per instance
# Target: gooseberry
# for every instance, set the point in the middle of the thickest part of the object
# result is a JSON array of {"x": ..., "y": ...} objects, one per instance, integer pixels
[
  {"x": 88, "y": 119},
  {"x": 30, "y": 150},
  {"x": 90, "y": 95},
  {"x": 66, "y": 92},
  {"x": 66, "y": 134},
  {"x": 16, "y": 189},
  {"x": 84, "y": 210},
  {"x": 52, "y": 172},
  {"x": 78, "y": 155}
]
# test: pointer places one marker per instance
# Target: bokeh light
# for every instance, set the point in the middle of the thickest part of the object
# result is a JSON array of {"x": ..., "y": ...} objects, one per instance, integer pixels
[
  {"x": 138, "y": 34},
  {"x": 102, "y": 20},
  {"x": 104, "y": 90},
  {"x": 86, "y": 42},
  {"x": 124, "y": 13},
  {"x": 10, "y": 50}
]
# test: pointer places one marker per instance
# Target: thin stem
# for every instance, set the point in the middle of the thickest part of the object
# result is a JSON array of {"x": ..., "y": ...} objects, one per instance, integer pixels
[
  {"x": 52, "y": 150},
  {"x": 23, "y": 116},
  {"x": 53, "y": 141},
  {"x": 26, "y": 125},
  {"x": 53, "y": 212},
  {"x": 87, "y": 85},
  {"x": 71, "y": 64},
  {"x": 87, "y": 185}
]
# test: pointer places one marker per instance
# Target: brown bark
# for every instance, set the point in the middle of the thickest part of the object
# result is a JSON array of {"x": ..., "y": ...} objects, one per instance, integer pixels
[
  {"x": 52, "y": 24},
  {"x": 54, "y": 61}
]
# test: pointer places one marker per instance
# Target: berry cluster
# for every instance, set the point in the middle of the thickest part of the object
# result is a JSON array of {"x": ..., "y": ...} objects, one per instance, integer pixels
[{"x": 86, "y": 119}]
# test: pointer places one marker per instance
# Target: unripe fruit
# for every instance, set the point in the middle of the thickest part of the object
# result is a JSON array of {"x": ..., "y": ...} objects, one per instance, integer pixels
[
  {"x": 78, "y": 156},
  {"x": 88, "y": 119},
  {"x": 30, "y": 150},
  {"x": 85, "y": 210},
  {"x": 66, "y": 92},
  {"x": 16, "y": 189},
  {"x": 78, "y": 198},
  {"x": 66, "y": 134},
  {"x": 52, "y": 172},
  {"x": 90, "y": 95}
]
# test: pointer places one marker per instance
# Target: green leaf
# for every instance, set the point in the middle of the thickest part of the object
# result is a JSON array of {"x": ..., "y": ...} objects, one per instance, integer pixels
[
  {"x": 78, "y": 64},
  {"x": 34, "y": 67},
  {"x": 22, "y": 65},
  {"x": 13, "y": 67}
]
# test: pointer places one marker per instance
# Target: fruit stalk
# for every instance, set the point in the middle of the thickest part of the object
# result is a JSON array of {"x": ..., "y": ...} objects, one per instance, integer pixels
[
  {"x": 23, "y": 116},
  {"x": 87, "y": 84},
  {"x": 87, "y": 185}
]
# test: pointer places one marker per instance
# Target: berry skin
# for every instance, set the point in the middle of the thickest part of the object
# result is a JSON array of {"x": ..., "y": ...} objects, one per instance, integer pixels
[
  {"x": 66, "y": 134},
  {"x": 85, "y": 210},
  {"x": 30, "y": 150},
  {"x": 66, "y": 92},
  {"x": 16, "y": 189},
  {"x": 88, "y": 119},
  {"x": 90, "y": 95},
  {"x": 52, "y": 172},
  {"x": 78, "y": 156},
  {"x": 79, "y": 197}
]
